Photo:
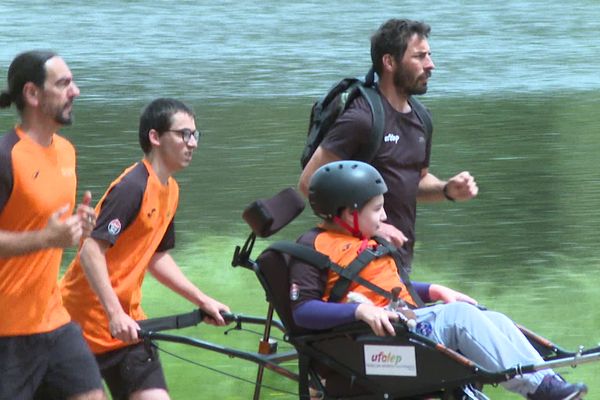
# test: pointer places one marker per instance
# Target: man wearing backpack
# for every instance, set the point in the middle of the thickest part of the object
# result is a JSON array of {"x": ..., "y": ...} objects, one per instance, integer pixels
[{"x": 402, "y": 59}]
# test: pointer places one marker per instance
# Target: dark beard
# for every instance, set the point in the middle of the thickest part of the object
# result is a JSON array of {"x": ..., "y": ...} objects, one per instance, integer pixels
[
  {"x": 404, "y": 84},
  {"x": 64, "y": 120}
]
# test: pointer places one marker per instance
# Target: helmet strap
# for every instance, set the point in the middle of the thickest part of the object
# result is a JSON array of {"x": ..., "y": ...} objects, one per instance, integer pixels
[{"x": 354, "y": 230}]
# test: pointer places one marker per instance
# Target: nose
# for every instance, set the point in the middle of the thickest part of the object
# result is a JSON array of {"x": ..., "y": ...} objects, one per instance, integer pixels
[
  {"x": 429, "y": 64},
  {"x": 383, "y": 216},
  {"x": 193, "y": 142},
  {"x": 74, "y": 90}
]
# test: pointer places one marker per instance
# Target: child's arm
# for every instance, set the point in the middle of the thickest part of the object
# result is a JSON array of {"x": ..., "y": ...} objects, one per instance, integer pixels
[
  {"x": 317, "y": 314},
  {"x": 422, "y": 290},
  {"x": 447, "y": 295}
]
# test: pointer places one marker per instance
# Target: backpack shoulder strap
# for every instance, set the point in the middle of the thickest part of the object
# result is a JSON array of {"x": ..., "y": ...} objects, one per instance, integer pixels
[
  {"x": 373, "y": 97},
  {"x": 423, "y": 114}
]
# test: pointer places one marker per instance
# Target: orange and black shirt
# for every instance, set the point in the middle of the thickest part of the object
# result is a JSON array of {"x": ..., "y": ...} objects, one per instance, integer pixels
[
  {"x": 35, "y": 181},
  {"x": 135, "y": 216}
]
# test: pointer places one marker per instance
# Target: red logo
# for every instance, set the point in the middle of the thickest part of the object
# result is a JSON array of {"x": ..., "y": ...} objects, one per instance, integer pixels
[{"x": 114, "y": 227}]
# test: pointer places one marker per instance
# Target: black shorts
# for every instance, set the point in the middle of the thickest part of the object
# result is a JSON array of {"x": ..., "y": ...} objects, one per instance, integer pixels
[
  {"x": 130, "y": 369},
  {"x": 52, "y": 365}
]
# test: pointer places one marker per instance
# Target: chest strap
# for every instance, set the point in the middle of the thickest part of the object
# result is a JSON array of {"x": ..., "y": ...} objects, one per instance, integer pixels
[
  {"x": 322, "y": 262},
  {"x": 340, "y": 288},
  {"x": 402, "y": 271}
]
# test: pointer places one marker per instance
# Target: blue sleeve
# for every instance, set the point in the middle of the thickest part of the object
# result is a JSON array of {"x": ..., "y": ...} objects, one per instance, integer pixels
[
  {"x": 317, "y": 314},
  {"x": 422, "y": 290}
]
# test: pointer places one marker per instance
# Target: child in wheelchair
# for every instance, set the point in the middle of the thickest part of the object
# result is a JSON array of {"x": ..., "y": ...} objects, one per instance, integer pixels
[{"x": 348, "y": 196}]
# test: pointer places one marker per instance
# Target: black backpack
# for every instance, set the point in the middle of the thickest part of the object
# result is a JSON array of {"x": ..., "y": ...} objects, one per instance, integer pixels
[{"x": 326, "y": 110}]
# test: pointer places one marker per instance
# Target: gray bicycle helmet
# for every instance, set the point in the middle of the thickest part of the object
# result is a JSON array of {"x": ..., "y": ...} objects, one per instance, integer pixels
[{"x": 342, "y": 184}]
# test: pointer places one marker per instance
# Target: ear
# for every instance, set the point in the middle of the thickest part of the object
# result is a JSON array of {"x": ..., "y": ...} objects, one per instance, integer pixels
[
  {"x": 31, "y": 94},
  {"x": 388, "y": 62},
  {"x": 154, "y": 137},
  {"x": 346, "y": 215}
]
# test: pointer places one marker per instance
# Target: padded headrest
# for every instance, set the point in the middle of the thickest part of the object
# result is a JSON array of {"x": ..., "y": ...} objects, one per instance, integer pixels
[{"x": 267, "y": 216}]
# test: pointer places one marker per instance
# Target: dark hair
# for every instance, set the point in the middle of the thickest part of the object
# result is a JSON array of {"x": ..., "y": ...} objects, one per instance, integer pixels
[
  {"x": 392, "y": 38},
  {"x": 158, "y": 115},
  {"x": 29, "y": 66}
]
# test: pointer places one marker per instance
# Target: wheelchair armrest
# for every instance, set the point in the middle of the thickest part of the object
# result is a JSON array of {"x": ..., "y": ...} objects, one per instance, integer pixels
[{"x": 360, "y": 330}]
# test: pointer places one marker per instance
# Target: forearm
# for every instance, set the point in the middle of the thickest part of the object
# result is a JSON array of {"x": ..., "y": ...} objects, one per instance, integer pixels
[
  {"x": 93, "y": 261},
  {"x": 317, "y": 314},
  {"x": 14, "y": 244},
  {"x": 431, "y": 189},
  {"x": 447, "y": 295},
  {"x": 165, "y": 270}
]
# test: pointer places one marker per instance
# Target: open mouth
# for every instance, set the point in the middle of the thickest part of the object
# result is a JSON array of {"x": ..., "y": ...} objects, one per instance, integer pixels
[{"x": 68, "y": 108}]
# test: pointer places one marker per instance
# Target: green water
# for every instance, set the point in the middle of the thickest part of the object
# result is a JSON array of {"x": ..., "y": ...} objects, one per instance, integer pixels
[{"x": 515, "y": 99}]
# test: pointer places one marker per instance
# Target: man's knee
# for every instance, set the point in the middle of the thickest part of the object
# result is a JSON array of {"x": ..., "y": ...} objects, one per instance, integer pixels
[
  {"x": 498, "y": 317},
  {"x": 150, "y": 394},
  {"x": 96, "y": 394},
  {"x": 462, "y": 308}
]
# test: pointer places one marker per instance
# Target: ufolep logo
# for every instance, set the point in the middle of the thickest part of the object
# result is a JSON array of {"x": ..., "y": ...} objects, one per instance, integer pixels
[
  {"x": 390, "y": 360},
  {"x": 386, "y": 358}
]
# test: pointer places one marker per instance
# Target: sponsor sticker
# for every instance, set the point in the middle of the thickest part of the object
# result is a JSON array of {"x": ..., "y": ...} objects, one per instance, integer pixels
[
  {"x": 390, "y": 360},
  {"x": 114, "y": 227},
  {"x": 424, "y": 328}
]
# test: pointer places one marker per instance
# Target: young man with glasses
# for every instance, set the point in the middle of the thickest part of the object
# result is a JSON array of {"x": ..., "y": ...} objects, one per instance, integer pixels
[{"x": 134, "y": 232}]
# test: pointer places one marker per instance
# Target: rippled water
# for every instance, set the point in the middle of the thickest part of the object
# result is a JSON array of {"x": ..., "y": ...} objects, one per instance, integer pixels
[{"x": 264, "y": 49}]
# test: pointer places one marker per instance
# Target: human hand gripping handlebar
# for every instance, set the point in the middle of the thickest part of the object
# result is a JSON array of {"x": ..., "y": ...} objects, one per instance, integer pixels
[{"x": 178, "y": 321}]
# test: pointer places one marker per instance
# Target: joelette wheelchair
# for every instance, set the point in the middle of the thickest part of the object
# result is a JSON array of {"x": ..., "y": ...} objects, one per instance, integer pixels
[{"x": 348, "y": 362}]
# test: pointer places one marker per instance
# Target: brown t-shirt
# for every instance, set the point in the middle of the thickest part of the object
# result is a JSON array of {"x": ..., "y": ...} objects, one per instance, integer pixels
[{"x": 403, "y": 153}]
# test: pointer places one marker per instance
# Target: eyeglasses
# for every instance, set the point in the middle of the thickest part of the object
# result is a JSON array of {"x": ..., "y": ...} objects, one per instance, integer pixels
[{"x": 186, "y": 134}]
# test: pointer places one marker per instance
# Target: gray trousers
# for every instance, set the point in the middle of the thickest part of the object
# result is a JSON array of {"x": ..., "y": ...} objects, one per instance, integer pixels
[{"x": 488, "y": 338}]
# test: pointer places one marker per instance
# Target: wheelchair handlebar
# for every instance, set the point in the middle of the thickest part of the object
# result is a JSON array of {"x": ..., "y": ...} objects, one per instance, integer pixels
[
  {"x": 172, "y": 322},
  {"x": 193, "y": 318},
  {"x": 179, "y": 321}
]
